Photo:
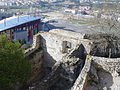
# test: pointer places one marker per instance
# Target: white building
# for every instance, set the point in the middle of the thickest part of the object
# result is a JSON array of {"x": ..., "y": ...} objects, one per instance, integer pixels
[
  {"x": 6, "y": 3},
  {"x": 73, "y": 11}
]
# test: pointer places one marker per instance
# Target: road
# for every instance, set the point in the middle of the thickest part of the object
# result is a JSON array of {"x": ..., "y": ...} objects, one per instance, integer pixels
[{"x": 81, "y": 28}]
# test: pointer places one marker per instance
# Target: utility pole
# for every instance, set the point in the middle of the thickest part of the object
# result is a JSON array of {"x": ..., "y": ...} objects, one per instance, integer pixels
[
  {"x": 5, "y": 22},
  {"x": 18, "y": 17}
]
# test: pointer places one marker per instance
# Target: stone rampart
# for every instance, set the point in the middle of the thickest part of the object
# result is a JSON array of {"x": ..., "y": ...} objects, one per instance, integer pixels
[
  {"x": 57, "y": 43},
  {"x": 35, "y": 45}
]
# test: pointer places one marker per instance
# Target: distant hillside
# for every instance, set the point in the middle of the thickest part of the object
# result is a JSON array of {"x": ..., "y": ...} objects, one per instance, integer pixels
[{"x": 34, "y": 2}]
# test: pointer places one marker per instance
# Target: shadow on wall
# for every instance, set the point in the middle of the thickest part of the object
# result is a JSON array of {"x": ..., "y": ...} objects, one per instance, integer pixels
[
  {"x": 48, "y": 59},
  {"x": 98, "y": 79},
  {"x": 71, "y": 66},
  {"x": 106, "y": 79},
  {"x": 80, "y": 53}
]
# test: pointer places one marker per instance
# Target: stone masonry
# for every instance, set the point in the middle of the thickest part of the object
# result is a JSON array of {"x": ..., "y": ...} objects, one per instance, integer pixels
[{"x": 64, "y": 51}]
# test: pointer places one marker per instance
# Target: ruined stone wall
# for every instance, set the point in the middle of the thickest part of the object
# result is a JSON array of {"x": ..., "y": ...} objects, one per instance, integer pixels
[
  {"x": 108, "y": 64},
  {"x": 53, "y": 44},
  {"x": 80, "y": 82},
  {"x": 38, "y": 69},
  {"x": 35, "y": 56},
  {"x": 107, "y": 76},
  {"x": 35, "y": 45},
  {"x": 65, "y": 47},
  {"x": 99, "y": 73},
  {"x": 104, "y": 45}
]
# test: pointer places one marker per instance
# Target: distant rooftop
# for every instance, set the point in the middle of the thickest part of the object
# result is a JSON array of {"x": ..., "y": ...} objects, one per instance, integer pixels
[{"x": 15, "y": 21}]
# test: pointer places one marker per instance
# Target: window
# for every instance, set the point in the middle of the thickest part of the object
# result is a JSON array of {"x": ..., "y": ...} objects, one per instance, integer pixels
[{"x": 66, "y": 46}]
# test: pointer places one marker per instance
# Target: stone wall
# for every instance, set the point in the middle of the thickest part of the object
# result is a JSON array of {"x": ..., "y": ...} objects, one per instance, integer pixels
[
  {"x": 35, "y": 45},
  {"x": 63, "y": 73},
  {"x": 104, "y": 45},
  {"x": 35, "y": 55},
  {"x": 58, "y": 47},
  {"x": 53, "y": 44},
  {"x": 80, "y": 82},
  {"x": 38, "y": 69},
  {"x": 108, "y": 64},
  {"x": 99, "y": 73}
]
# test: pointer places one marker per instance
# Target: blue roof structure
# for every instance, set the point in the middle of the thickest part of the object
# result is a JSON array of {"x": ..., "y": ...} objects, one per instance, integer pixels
[{"x": 16, "y": 20}]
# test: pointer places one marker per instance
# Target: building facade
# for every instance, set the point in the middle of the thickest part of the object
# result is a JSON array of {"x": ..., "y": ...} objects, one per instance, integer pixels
[{"x": 20, "y": 28}]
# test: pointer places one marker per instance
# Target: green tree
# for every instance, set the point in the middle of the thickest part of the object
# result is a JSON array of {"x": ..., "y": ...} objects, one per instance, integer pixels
[{"x": 14, "y": 67}]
